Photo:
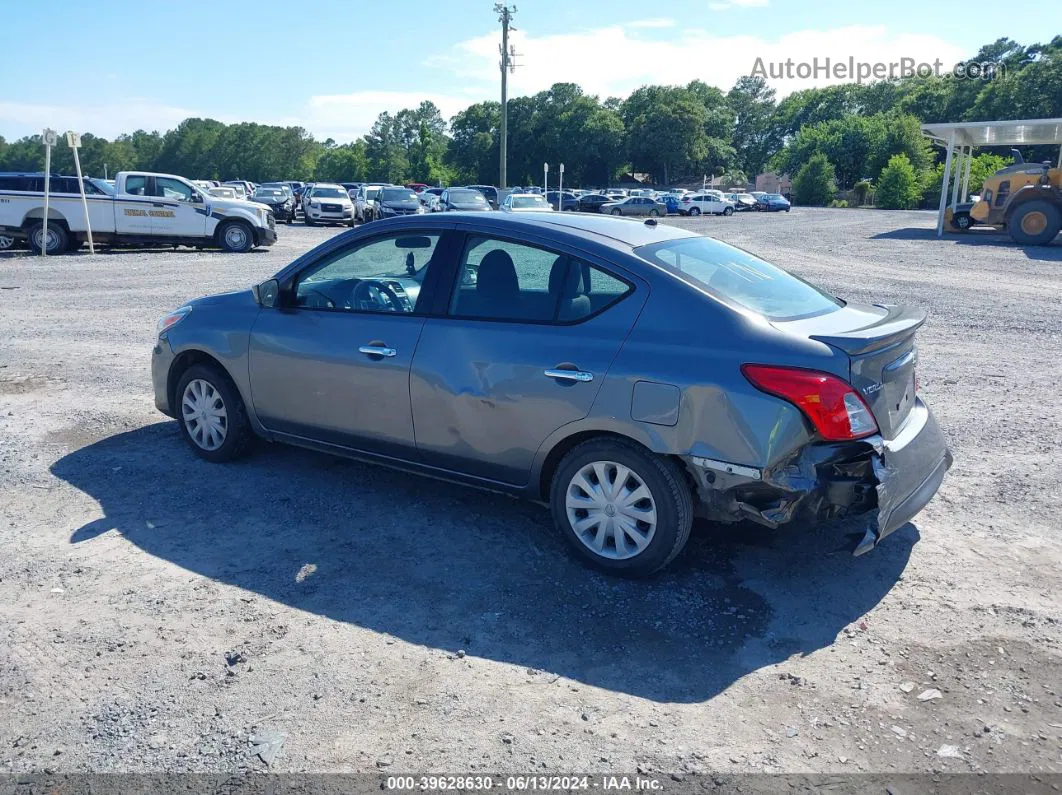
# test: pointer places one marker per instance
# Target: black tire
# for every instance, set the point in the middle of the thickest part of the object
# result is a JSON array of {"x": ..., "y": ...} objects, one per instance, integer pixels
[
  {"x": 962, "y": 222},
  {"x": 238, "y": 432},
  {"x": 694, "y": 211},
  {"x": 616, "y": 211},
  {"x": 306, "y": 220},
  {"x": 350, "y": 223},
  {"x": 1034, "y": 223},
  {"x": 728, "y": 211},
  {"x": 230, "y": 239},
  {"x": 669, "y": 492},
  {"x": 58, "y": 240}
]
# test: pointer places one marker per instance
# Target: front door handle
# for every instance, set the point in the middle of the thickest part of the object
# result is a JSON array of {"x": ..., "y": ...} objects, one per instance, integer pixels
[
  {"x": 377, "y": 350},
  {"x": 569, "y": 375}
]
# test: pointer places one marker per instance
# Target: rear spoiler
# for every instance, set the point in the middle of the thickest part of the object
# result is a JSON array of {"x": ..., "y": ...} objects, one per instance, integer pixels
[{"x": 900, "y": 322}]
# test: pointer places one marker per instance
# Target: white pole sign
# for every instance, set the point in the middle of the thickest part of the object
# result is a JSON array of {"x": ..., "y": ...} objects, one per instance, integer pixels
[
  {"x": 545, "y": 177},
  {"x": 49, "y": 138},
  {"x": 74, "y": 140},
  {"x": 560, "y": 189}
]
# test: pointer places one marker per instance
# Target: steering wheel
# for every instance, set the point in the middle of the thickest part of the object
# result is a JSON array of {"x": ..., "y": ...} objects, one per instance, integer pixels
[
  {"x": 315, "y": 299},
  {"x": 377, "y": 293}
]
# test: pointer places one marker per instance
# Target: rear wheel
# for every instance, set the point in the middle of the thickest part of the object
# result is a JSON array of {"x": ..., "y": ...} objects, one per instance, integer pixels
[
  {"x": 728, "y": 211},
  {"x": 1034, "y": 223},
  {"x": 54, "y": 240},
  {"x": 211, "y": 413},
  {"x": 617, "y": 211},
  {"x": 622, "y": 508},
  {"x": 236, "y": 237}
]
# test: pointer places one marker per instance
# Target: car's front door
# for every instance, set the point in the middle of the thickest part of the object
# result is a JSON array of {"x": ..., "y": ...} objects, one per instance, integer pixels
[
  {"x": 178, "y": 209},
  {"x": 133, "y": 205},
  {"x": 528, "y": 335},
  {"x": 331, "y": 362}
]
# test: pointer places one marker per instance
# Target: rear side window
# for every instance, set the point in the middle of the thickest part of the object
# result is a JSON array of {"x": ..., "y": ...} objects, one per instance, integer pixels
[
  {"x": 738, "y": 278},
  {"x": 507, "y": 281}
]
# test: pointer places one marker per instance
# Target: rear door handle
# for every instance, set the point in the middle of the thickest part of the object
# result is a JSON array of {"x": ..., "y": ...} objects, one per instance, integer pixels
[
  {"x": 569, "y": 375},
  {"x": 377, "y": 350}
]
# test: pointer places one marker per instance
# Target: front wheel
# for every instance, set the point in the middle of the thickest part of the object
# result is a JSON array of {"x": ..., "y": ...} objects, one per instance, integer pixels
[
  {"x": 622, "y": 508},
  {"x": 306, "y": 220},
  {"x": 1034, "y": 223},
  {"x": 695, "y": 211},
  {"x": 54, "y": 240},
  {"x": 654, "y": 214},
  {"x": 236, "y": 237},
  {"x": 6, "y": 242},
  {"x": 962, "y": 222},
  {"x": 211, "y": 413}
]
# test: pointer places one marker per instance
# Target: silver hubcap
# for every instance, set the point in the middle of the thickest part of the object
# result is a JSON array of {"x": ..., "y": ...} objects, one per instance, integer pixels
[
  {"x": 611, "y": 510},
  {"x": 6, "y": 242},
  {"x": 204, "y": 414},
  {"x": 40, "y": 236},
  {"x": 236, "y": 237}
]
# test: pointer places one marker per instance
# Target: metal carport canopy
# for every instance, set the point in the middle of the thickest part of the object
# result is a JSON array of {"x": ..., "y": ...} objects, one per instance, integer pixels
[{"x": 968, "y": 134}]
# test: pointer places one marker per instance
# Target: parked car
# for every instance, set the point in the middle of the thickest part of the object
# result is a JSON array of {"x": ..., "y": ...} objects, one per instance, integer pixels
[
  {"x": 393, "y": 201},
  {"x": 277, "y": 196},
  {"x": 417, "y": 187},
  {"x": 463, "y": 199},
  {"x": 707, "y": 203},
  {"x": 591, "y": 203},
  {"x": 629, "y": 375},
  {"x": 526, "y": 203},
  {"x": 570, "y": 201},
  {"x": 225, "y": 192},
  {"x": 365, "y": 201},
  {"x": 429, "y": 197},
  {"x": 743, "y": 202},
  {"x": 241, "y": 185},
  {"x": 634, "y": 205},
  {"x": 674, "y": 206},
  {"x": 327, "y": 203},
  {"x": 490, "y": 192},
  {"x": 773, "y": 202}
]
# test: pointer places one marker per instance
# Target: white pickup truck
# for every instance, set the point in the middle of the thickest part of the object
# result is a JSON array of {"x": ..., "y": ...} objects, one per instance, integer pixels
[{"x": 140, "y": 208}]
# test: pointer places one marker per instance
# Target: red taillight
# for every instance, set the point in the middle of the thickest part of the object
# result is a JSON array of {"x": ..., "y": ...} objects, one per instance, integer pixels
[{"x": 836, "y": 410}]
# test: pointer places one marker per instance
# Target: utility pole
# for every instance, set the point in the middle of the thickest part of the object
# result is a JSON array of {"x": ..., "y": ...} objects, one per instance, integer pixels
[{"x": 507, "y": 64}]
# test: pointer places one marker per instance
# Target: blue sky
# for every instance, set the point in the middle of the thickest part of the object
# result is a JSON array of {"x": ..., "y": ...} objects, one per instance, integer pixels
[{"x": 108, "y": 66}]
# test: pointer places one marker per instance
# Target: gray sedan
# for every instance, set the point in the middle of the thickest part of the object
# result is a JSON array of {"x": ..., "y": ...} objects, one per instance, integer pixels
[
  {"x": 630, "y": 375},
  {"x": 635, "y": 205}
]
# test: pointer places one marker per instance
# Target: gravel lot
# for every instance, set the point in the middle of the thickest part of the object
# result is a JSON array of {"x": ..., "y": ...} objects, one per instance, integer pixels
[{"x": 156, "y": 612}]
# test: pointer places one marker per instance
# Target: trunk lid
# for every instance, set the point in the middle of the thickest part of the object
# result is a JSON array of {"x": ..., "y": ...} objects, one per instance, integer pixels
[{"x": 879, "y": 341}]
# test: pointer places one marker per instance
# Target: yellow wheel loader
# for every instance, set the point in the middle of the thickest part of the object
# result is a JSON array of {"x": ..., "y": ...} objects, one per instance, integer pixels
[{"x": 1025, "y": 199}]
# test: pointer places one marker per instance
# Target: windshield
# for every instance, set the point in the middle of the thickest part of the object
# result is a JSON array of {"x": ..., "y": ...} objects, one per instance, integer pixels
[
  {"x": 775, "y": 196},
  {"x": 529, "y": 202},
  {"x": 467, "y": 196},
  {"x": 397, "y": 195},
  {"x": 738, "y": 277},
  {"x": 269, "y": 193},
  {"x": 329, "y": 193}
]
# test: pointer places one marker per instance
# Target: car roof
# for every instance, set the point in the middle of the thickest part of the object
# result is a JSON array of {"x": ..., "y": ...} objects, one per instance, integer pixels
[{"x": 604, "y": 229}]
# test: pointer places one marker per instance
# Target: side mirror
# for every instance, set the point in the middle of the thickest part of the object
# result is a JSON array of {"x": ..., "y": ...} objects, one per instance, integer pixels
[{"x": 266, "y": 293}]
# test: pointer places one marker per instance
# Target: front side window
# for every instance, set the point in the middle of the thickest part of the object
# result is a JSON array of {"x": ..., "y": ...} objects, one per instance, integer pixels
[
  {"x": 379, "y": 275},
  {"x": 172, "y": 189},
  {"x": 737, "y": 277},
  {"x": 507, "y": 281}
]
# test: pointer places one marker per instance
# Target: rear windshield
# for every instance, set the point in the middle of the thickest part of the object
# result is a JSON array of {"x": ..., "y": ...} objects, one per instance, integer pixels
[{"x": 737, "y": 277}]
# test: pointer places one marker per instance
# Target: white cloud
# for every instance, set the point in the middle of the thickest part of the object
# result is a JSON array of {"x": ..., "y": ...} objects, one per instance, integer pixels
[
  {"x": 633, "y": 60},
  {"x": 344, "y": 117},
  {"x": 660, "y": 22},
  {"x": 108, "y": 119},
  {"x": 723, "y": 6}
]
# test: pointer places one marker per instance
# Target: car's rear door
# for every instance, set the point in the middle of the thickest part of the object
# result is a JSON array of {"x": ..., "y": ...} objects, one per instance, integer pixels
[
  {"x": 333, "y": 364},
  {"x": 509, "y": 361}
]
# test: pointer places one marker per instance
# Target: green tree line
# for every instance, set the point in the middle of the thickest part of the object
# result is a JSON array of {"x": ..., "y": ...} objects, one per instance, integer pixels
[{"x": 840, "y": 136}]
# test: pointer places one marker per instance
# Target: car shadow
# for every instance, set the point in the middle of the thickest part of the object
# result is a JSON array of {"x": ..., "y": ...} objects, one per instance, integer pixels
[
  {"x": 453, "y": 568},
  {"x": 977, "y": 236}
]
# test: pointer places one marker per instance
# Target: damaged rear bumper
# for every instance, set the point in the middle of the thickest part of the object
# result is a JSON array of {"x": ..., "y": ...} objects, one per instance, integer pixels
[{"x": 885, "y": 482}]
